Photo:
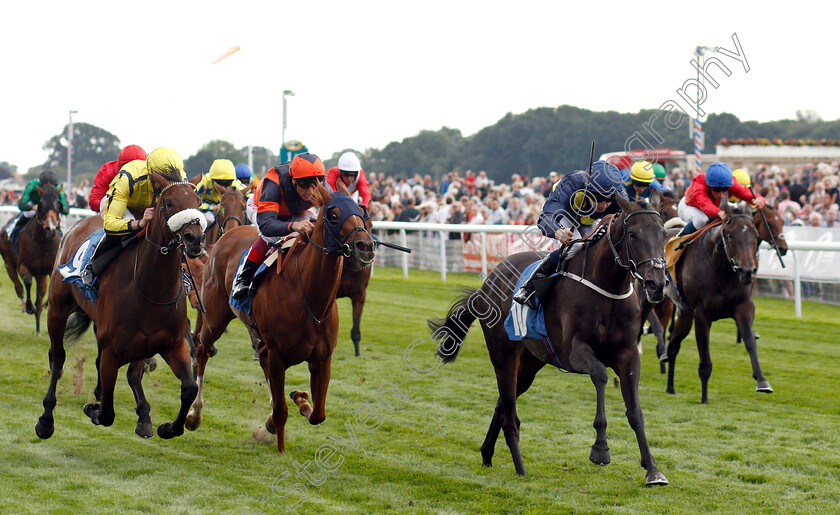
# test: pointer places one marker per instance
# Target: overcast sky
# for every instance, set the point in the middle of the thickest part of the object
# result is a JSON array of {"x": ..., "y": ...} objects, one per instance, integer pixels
[{"x": 368, "y": 73}]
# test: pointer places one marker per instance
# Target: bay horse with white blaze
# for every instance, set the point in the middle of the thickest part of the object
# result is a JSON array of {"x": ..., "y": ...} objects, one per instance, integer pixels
[
  {"x": 140, "y": 311},
  {"x": 37, "y": 247},
  {"x": 294, "y": 317},
  {"x": 592, "y": 320},
  {"x": 714, "y": 278}
]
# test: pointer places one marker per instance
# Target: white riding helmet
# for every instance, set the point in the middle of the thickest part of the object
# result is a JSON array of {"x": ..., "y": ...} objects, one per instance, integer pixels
[{"x": 348, "y": 162}]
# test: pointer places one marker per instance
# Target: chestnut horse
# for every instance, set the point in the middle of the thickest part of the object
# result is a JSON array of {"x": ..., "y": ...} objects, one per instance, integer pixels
[
  {"x": 294, "y": 315},
  {"x": 37, "y": 247},
  {"x": 593, "y": 321},
  {"x": 141, "y": 308},
  {"x": 714, "y": 278}
]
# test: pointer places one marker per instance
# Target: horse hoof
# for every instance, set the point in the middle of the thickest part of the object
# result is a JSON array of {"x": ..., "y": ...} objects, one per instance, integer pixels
[
  {"x": 144, "y": 430},
  {"x": 192, "y": 422},
  {"x": 92, "y": 411},
  {"x": 599, "y": 457},
  {"x": 166, "y": 431},
  {"x": 150, "y": 364},
  {"x": 763, "y": 387},
  {"x": 655, "y": 478},
  {"x": 663, "y": 358},
  {"x": 44, "y": 430},
  {"x": 303, "y": 396},
  {"x": 213, "y": 350},
  {"x": 269, "y": 425}
]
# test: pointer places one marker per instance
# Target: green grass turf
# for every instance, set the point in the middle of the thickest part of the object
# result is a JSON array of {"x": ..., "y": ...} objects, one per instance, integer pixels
[{"x": 743, "y": 453}]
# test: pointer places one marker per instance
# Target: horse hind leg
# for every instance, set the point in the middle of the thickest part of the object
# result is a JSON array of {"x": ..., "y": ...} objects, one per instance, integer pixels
[
  {"x": 681, "y": 327},
  {"x": 277, "y": 383},
  {"x": 356, "y": 333},
  {"x": 41, "y": 289},
  {"x": 744, "y": 319},
  {"x": 319, "y": 382},
  {"x": 178, "y": 359},
  {"x": 528, "y": 368},
  {"x": 56, "y": 321},
  {"x": 134, "y": 375},
  {"x": 27, "y": 285},
  {"x": 103, "y": 413}
]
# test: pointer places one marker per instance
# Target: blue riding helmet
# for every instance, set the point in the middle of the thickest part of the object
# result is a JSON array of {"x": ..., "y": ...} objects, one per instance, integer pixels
[
  {"x": 606, "y": 179},
  {"x": 625, "y": 175},
  {"x": 243, "y": 171},
  {"x": 719, "y": 175}
]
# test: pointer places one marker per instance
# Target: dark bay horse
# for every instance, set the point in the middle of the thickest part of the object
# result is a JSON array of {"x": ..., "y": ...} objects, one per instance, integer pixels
[
  {"x": 295, "y": 318},
  {"x": 37, "y": 247},
  {"x": 714, "y": 277},
  {"x": 590, "y": 329},
  {"x": 663, "y": 312},
  {"x": 354, "y": 283},
  {"x": 141, "y": 308}
]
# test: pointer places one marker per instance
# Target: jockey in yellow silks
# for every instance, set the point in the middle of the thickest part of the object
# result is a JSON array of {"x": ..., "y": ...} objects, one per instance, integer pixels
[
  {"x": 222, "y": 174},
  {"x": 128, "y": 206}
]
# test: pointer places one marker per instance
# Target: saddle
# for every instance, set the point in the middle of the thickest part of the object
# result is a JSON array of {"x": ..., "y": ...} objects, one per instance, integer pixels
[{"x": 676, "y": 246}]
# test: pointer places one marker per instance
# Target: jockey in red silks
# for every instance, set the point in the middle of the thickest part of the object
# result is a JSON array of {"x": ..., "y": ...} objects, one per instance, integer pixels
[
  {"x": 349, "y": 171},
  {"x": 703, "y": 198},
  {"x": 286, "y": 194},
  {"x": 107, "y": 173}
]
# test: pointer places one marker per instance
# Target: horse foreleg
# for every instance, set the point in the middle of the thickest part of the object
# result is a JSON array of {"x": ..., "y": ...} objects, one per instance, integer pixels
[
  {"x": 280, "y": 412},
  {"x": 356, "y": 333},
  {"x": 27, "y": 285},
  {"x": 506, "y": 376},
  {"x": 178, "y": 359},
  {"x": 628, "y": 368},
  {"x": 41, "y": 290},
  {"x": 681, "y": 328},
  {"x": 665, "y": 315},
  {"x": 103, "y": 413},
  {"x": 134, "y": 375},
  {"x": 56, "y": 322},
  {"x": 11, "y": 269},
  {"x": 744, "y": 316},
  {"x": 701, "y": 332},
  {"x": 97, "y": 392},
  {"x": 319, "y": 381},
  {"x": 583, "y": 360}
]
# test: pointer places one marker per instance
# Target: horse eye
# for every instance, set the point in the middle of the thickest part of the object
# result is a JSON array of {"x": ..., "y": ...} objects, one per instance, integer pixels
[
  {"x": 167, "y": 203},
  {"x": 333, "y": 215}
]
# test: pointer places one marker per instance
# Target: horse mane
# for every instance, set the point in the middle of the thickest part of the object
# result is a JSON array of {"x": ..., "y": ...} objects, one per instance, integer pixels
[
  {"x": 171, "y": 173},
  {"x": 668, "y": 194}
]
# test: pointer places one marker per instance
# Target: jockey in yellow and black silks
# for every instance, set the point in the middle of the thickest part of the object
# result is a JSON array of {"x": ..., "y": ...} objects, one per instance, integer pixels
[
  {"x": 222, "y": 174},
  {"x": 128, "y": 205}
]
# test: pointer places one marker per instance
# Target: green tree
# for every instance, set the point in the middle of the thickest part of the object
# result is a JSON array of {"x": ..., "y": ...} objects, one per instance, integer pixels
[
  {"x": 7, "y": 170},
  {"x": 215, "y": 149},
  {"x": 92, "y": 146}
]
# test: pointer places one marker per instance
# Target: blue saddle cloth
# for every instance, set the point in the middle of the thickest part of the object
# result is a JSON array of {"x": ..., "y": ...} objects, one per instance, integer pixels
[
  {"x": 245, "y": 305},
  {"x": 523, "y": 322},
  {"x": 72, "y": 269}
]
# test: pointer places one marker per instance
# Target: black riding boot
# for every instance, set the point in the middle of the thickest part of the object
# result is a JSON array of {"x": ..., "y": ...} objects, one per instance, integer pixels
[
  {"x": 242, "y": 288},
  {"x": 525, "y": 295},
  {"x": 100, "y": 259}
]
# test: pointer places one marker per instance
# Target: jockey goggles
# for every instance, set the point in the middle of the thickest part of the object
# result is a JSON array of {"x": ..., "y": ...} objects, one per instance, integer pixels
[
  {"x": 348, "y": 173},
  {"x": 720, "y": 189},
  {"x": 307, "y": 182}
]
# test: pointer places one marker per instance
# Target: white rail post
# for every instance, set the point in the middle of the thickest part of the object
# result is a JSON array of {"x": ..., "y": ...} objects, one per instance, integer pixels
[
  {"x": 797, "y": 286},
  {"x": 484, "y": 254},
  {"x": 404, "y": 243},
  {"x": 443, "y": 236}
]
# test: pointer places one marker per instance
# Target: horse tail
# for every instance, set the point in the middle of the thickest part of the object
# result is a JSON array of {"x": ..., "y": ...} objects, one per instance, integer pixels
[
  {"x": 451, "y": 331},
  {"x": 77, "y": 324}
]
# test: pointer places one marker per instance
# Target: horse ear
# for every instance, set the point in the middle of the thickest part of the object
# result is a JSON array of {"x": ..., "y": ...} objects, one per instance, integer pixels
[
  {"x": 726, "y": 206},
  {"x": 326, "y": 196},
  {"x": 60, "y": 187},
  {"x": 39, "y": 189},
  {"x": 158, "y": 182},
  {"x": 195, "y": 180},
  {"x": 622, "y": 203},
  {"x": 655, "y": 199}
]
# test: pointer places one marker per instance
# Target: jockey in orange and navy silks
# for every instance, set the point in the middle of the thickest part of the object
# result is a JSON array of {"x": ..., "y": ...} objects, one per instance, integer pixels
[
  {"x": 107, "y": 173},
  {"x": 349, "y": 171},
  {"x": 576, "y": 202},
  {"x": 287, "y": 192},
  {"x": 703, "y": 198}
]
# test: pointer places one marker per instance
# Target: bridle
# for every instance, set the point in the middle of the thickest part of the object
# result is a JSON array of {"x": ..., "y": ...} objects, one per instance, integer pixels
[
  {"x": 632, "y": 265},
  {"x": 176, "y": 243},
  {"x": 724, "y": 237},
  {"x": 334, "y": 230},
  {"x": 238, "y": 220}
]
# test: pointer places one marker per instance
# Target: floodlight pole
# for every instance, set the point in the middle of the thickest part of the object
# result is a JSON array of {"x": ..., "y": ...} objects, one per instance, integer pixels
[
  {"x": 286, "y": 93},
  {"x": 70, "y": 149}
]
